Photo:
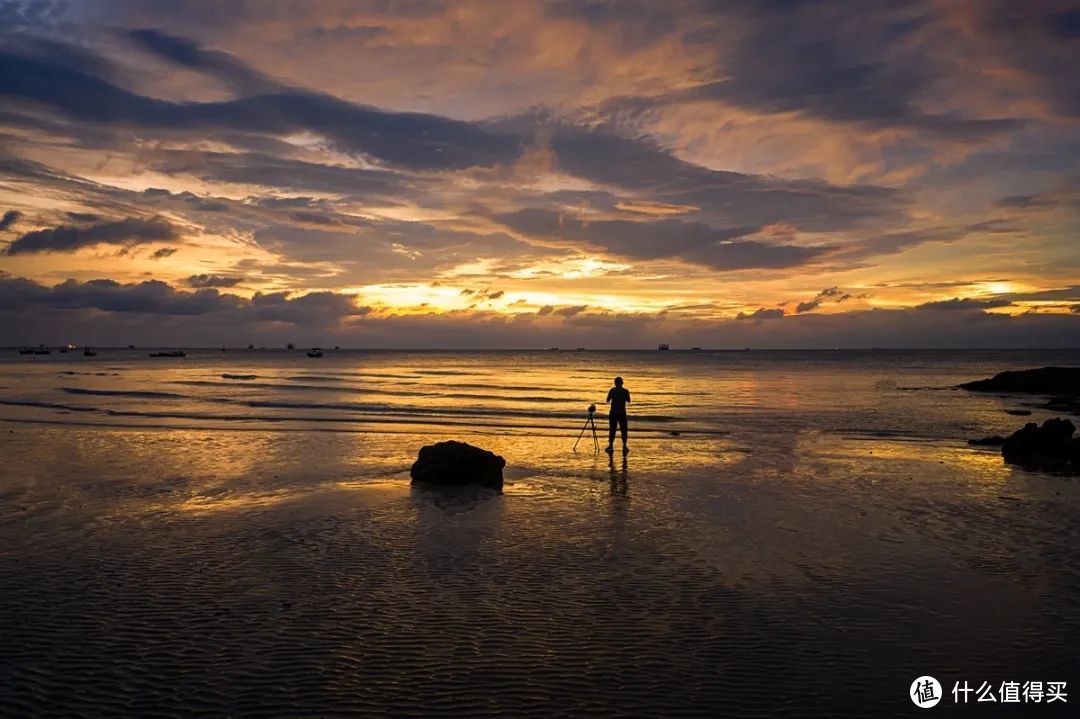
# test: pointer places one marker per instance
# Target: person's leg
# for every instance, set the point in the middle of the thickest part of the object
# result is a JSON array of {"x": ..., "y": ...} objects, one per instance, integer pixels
[
  {"x": 622, "y": 426},
  {"x": 612, "y": 423}
]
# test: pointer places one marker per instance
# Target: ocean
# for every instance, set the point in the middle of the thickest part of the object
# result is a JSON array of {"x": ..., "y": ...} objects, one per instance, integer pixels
[
  {"x": 524, "y": 394},
  {"x": 800, "y": 532}
]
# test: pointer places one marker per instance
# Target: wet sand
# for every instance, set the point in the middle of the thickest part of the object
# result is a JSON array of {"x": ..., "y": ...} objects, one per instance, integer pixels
[{"x": 168, "y": 572}]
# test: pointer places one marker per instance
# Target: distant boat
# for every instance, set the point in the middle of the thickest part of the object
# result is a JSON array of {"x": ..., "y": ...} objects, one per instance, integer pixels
[
  {"x": 173, "y": 353},
  {"x": 63, "y": 350},
  {"x": 251, "y": 347},
  {"x": 664, "y": 347},
  {"x": 131, "y": 347},
  {"x": 315, "y": 352},
  {"x": 290, "y": 346},
  {"x": 41, "y": 350},
  {"x": 695, "y": 349},
  {"x": 89, "y": 353},
  {"x": 337, "y": 347}
]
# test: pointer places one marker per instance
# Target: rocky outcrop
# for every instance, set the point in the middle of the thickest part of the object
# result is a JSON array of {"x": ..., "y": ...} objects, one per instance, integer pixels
[
  {"x": 1062, "y": 384},
  {"x": 1051, "y": 446},
  {"x": 995, "y": 441},
  {"x": 1045, "y": 380},
  {"x": 457, "y": 463}
]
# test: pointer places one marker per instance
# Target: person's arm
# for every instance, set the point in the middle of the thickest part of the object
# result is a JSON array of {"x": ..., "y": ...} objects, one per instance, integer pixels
[
  {"x": 608, "y": 400},
  {"x": 628, "y": 396}
]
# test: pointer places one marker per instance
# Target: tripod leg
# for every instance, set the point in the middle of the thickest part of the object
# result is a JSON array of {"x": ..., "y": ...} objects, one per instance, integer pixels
[
  {"x": 583, "y": 428},
  {"x": 595, "y": 441}
]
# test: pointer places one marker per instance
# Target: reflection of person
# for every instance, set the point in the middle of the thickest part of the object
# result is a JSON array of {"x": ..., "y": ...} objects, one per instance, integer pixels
[
  {"x": 618, "y": 397},
  {"x": 619, "y": 485}
]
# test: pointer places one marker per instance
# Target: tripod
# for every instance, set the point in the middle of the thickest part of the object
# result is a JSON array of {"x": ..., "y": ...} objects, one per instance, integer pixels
[{"x": 589, "y": 423}]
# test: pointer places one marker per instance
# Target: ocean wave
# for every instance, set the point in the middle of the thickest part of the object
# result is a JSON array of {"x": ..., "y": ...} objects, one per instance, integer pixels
[
  {"x": 240, "y": 376},
  {"x": 375, "y": 390},
  {"x": 373, "y": 420},
  {"x": 144, "y": 394},
  {"x": 445, "y": 411},
  {"x": 386, "y": 411},
  {"x": 344, "y": 376}
]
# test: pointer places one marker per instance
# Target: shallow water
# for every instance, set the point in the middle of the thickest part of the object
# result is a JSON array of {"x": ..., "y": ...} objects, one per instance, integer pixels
[{"x": 817, "y": 535}]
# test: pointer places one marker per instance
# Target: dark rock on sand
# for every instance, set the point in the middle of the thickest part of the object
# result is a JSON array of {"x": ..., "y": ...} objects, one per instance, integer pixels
[
  {"x": 1045, "y": 380},
  {"x": 457, "y": 463},
  {"x": 995, "y": 441},
  {"x": 1050, "y": 446},
  {"x": 1018, "y": 412}
]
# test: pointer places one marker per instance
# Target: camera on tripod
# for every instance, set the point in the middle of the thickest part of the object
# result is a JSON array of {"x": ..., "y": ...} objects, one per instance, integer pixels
[{"x": 590, "y": 423}]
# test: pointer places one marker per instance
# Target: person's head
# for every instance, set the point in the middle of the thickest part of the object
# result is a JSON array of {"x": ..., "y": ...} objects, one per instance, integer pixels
[{"x": 618, "y": 381}]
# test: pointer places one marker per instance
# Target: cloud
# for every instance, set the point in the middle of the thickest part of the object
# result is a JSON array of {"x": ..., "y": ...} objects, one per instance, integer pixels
[
  {"x": 249, "y": 168},
  {"x": 221, "y": 281},
  {"x": 865, "y": 62},
  {"x": 1035, "y": 40},
  {"x": 832, "y": 293},
  {"x": 641, "y": 165},
  {"x": 153, "y": 297},
  {"x": 191, "y": 55},
  {"x": 10, "y": 218},
  {"x": 571, "y": 311},
  {"x": 693, "y": 242},
  {"x": 966, "y": 303},
  {"x": 1026, "y": 202},
  {"x": 673, "y": 158},
  {"x": 69, "y": 238},
  {"x": 1071, "y": 293},
  {"x": 149, "y": 297},
  {"x": 153, "y": 313},
  {"x": 412, "y": 140},
  {"x": 314, "y": 307},
  {"x": 761, "y": 314}
]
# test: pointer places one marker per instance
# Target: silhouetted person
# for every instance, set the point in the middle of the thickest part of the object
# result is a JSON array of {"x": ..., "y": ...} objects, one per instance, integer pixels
[{"x": 618, "y": 397}]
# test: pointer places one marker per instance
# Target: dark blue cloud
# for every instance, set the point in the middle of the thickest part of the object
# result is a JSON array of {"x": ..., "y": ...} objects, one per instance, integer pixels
[
  {"x": 829, "y": 293},
  {"x": 850, "y": 61},
  {"x": 966, "y": 303},
  {"x": 761, "y": 314},
  {"x": 154, "y": 297},
  {"x": 248, "y": 168},
  {"x": 1038, "y": 39},
  {"x": 642, "y": 166},
  {"x": 206, "y": 281},
  {"x": 68, "y": 238},
  {"x": 694, "y": 242},
  {"x": 10, "y": 218},
  {"x": 188, "y": 53},
  {"x": 1065, "y": 25},
  {"x": 412, "y": 140},
  {"x": 150, "y": 297}
]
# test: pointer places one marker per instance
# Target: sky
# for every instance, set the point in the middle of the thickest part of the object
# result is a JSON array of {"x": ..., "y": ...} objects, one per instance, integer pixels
[{"x": 600, "y": 173}]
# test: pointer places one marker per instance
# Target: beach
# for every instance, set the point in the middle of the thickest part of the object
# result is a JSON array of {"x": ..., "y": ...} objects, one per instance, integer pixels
[{"x": 234, "y": 534}]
